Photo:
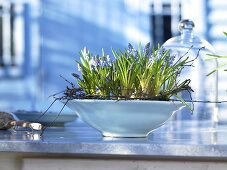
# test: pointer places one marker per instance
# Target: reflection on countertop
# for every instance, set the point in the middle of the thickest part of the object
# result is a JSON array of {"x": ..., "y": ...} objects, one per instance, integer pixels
[{"x": 188, "y": 138}]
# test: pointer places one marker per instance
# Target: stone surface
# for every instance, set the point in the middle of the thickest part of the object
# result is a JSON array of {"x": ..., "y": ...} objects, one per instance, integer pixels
[{"x": 182, "y": 139}]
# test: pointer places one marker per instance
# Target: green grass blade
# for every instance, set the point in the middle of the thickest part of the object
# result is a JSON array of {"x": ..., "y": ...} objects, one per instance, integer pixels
[{"x": 182, "y": 101}]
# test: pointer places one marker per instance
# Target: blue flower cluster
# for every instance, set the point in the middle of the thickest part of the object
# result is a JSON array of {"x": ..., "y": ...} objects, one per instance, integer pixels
[
  {"x": 105, "y": 61},
  {"x": 147, "y": 51},
  {"x": 169, "y": 59},
  {"x": 95, "y": 61},
  {"x": 132, "y": 51},
  {"x": 100, "y": 62}
]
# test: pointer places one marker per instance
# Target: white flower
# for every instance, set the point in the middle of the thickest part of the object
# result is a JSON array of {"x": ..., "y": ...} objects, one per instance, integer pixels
[
  {"x": 79, "y": 68},
  {"x": 85, "y": 53}
]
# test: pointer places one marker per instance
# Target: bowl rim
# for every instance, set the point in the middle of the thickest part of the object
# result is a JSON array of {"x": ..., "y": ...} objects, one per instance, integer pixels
[{"x": 178, "y": 103}]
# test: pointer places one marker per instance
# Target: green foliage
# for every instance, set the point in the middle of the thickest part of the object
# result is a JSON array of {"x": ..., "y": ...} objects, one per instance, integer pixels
[
  {"x": 143, "y": 73},
  {"x": 214, "y": 56}
]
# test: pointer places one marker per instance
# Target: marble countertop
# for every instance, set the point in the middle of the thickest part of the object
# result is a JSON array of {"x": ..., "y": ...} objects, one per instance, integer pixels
[{"x": 181, "y": 139}]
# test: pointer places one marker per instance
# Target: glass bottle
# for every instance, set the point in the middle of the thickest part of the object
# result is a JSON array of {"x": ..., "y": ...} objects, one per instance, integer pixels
[{"x": 205, "y": 87}]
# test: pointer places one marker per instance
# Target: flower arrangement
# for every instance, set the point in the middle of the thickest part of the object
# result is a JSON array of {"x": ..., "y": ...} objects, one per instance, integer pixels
[
  {"x": 144, "y": 73},
  {"x": 129, "y": 77}
]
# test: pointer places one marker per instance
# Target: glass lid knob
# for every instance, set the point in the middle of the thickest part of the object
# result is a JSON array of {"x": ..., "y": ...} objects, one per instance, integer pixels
[{"x": 186, "y": 24}]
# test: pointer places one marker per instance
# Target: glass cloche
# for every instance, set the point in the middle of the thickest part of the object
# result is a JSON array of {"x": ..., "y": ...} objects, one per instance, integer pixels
[{"x": 205, "y": 87}]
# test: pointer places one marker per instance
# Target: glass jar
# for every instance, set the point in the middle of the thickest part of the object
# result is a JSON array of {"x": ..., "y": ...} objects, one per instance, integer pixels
[{"x": 205, "y": 87}]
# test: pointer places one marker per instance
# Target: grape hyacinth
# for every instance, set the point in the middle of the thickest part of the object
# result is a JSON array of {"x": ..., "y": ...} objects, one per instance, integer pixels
[
  {"x": 147, "y": 50},
  {"x": 143, "y": 72},
  {"x": 100, "y": 62},
  {"x": 105, "y": 61},
  {"x": 94, "y": 63},
  {"x": 132, "y": 52},
  {"x": 168, "y": 60}
]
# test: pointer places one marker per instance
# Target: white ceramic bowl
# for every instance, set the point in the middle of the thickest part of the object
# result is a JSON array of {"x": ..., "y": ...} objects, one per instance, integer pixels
[{"x": 124, "y": 118}]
